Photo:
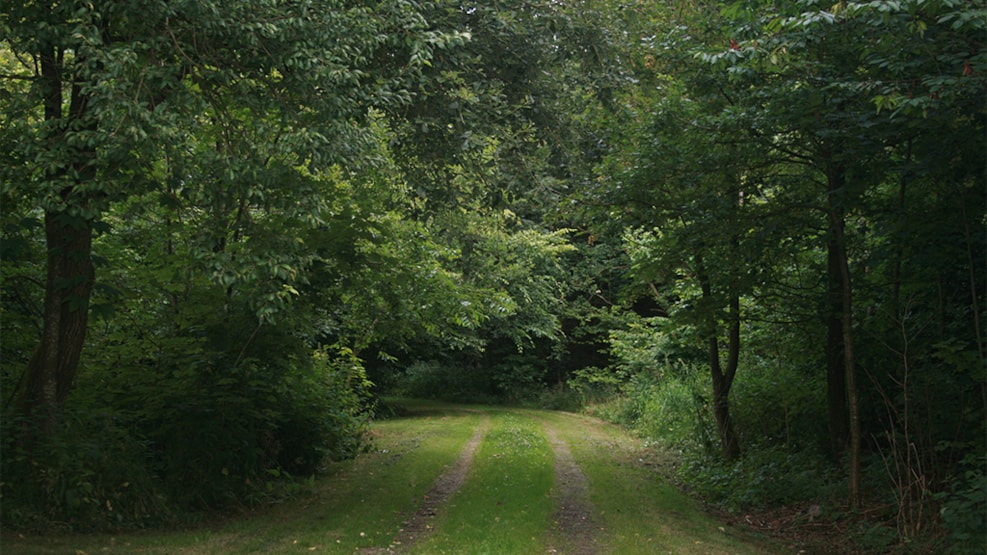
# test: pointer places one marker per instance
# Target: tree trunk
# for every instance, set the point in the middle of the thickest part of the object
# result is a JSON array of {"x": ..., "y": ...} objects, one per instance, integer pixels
[
  {"x": 723, "y": 378},
  {"x": 68, "y": 287},
  {"x": 70, "y": 272},
  {"x": 839, "y": 262},
  {"x": 836, "y": 403}
]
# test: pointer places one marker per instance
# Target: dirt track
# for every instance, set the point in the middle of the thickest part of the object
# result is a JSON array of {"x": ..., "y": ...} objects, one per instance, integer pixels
[{"x": 574, "y": 530}]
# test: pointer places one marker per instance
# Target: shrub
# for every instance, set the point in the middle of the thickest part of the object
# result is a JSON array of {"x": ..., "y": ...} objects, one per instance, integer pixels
[
  {"x": 224, "y": 434},
  {"x": 595, "y": 385},
  {"x": 518, "y": 376},
  {"x": 444, "y": 382},
  {"x": 559, "y": 398},
  {"x": 765, "y": 476},
  {"x": 668, "y": 407},
  {"x": 89, "y": 473},
  {"x": 963, "y": 508},
  {"x": 137, "y": 446}
]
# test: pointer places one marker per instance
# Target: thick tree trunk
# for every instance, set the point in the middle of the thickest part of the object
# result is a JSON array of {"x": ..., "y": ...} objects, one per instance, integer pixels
[
  {"x": 68, "y": 287},
  {"x": 70, "y": 272}
]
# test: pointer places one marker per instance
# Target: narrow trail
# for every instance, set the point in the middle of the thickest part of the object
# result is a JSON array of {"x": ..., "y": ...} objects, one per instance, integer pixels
[
  {"x": 574, "y": 531},
  {"x": 442, "y": 489}
]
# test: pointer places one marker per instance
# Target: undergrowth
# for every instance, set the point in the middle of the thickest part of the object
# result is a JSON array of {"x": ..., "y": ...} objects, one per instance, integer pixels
[{"x": 124, "y": 458}]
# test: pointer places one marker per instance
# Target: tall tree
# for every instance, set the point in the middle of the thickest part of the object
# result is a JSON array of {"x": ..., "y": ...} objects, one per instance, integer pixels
[
  {"x": 231, "y": 101},
  {"x": 821, "y": 75}
]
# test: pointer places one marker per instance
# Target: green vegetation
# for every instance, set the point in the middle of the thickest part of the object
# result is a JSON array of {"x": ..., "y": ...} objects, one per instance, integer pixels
[
  {"x": 750, "y": 231},
  {"x": 641, "y": 509},
  {"x": 503, "y": 507}
]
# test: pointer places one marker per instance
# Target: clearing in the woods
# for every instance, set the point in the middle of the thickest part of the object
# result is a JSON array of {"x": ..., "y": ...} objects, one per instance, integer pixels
[{"x": 462, "y": 480}]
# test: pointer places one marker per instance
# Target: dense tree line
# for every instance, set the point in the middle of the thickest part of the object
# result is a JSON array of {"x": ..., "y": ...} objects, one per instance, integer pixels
[{"x": 755, "y": 231}]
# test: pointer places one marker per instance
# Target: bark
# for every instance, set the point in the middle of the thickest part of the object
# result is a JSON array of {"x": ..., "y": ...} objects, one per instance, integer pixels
[
  {"x": 70, "y": 272},
  {"x": 52, "y": 368},
  {"x": 723, "y": 377},
  {"x": 839, "y": 262},
  {"x": 836, "y": 402}
]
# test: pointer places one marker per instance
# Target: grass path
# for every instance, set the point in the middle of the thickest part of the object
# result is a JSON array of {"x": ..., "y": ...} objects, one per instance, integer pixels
[
  {"x": 460, "y": 480},
  {"x": 575, "y": 530},
  {"x": 448, "y": 483}
]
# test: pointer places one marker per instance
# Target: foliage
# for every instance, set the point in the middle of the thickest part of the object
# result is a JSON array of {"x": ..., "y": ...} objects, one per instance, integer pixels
[
  {"x": 963, "y": 508},
  {"x": 763, "y": 217},
  {"x": 204, "y": 442},
  {"x": 780, "y": 404},
  {"x": 739, "y": 169},
  {"x": 767, "y": 476},
  {"x": 594, "y": 385},
  {"x": 560, "y": 398},
  {"x": 442, "y": 381},
  {"x": 92, "y": 472}
]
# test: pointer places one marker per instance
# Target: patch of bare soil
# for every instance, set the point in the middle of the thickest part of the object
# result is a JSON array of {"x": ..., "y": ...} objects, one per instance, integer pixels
[
  {"x": 574, "y": 532},
  {"x": 444, "y": 486}
]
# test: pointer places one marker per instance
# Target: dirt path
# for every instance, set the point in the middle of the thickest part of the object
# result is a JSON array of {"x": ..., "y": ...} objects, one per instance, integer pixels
[
  {"x": 574, "y": 532},
  {"x": 442, "y": 489}
]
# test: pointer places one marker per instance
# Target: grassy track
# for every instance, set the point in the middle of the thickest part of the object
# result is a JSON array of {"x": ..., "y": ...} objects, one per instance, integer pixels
[
  {"x": 506, "y": 505},
  {"x": 641, "y": 513}
]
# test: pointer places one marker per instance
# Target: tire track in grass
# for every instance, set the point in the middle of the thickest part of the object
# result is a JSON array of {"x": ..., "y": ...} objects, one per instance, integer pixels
[
  {"x": 574, "y": 531},
  {"x": 444, "y": 486}
]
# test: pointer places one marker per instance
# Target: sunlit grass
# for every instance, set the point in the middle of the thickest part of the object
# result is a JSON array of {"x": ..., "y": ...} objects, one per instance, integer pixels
[
  {"x": 505, "y": 506},
  {"x": 639, "y": 512}
]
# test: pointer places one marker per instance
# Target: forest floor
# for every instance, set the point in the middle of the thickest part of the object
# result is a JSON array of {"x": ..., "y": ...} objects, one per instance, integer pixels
[{"x": 471, "y": 480}]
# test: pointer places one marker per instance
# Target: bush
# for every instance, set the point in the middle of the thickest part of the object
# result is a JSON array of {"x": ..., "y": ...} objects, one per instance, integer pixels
[
  {"x": 90, "y": 473},
  {"x": 136, "y": 447},
  {"x": 779, "y": 406},
  {"x": 595, "y": 385},
  {"x": 559, "y": 398},
  {"x": 668, "y": 407},
  {"x": 444, "y": 382},
  {"x": 518, "y": 376},
  {"x": 764, "y": 476},
  {"x": 224, "y": 434},
  {"x": 963, "y": 508}
]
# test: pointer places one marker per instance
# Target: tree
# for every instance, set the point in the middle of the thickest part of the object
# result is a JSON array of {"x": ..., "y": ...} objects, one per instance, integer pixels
[
  {"x": 226, "y": 104},
  {"x": 690, "y": 204},
  {"x": 822, "y": 77}
]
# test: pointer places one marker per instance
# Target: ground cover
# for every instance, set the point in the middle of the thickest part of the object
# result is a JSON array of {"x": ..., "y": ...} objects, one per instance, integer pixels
[{"x": 447, "y": 479}]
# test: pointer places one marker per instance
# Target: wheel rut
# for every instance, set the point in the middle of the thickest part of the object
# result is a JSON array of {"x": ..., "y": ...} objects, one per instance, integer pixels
[
  {"x": 417, "y": 526},
  {"x": 574, "y": 530}
]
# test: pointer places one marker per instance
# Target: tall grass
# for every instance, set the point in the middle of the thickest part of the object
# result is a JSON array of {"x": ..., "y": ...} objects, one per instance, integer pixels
[{"x": 774, "y": 410}]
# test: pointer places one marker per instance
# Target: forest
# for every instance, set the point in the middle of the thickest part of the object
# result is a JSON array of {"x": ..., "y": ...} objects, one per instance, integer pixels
[{"x": 754, "y": 232}]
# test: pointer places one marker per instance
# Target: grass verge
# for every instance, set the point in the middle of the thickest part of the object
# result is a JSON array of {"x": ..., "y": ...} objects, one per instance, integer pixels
[{"x": 639, "y": 511}]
